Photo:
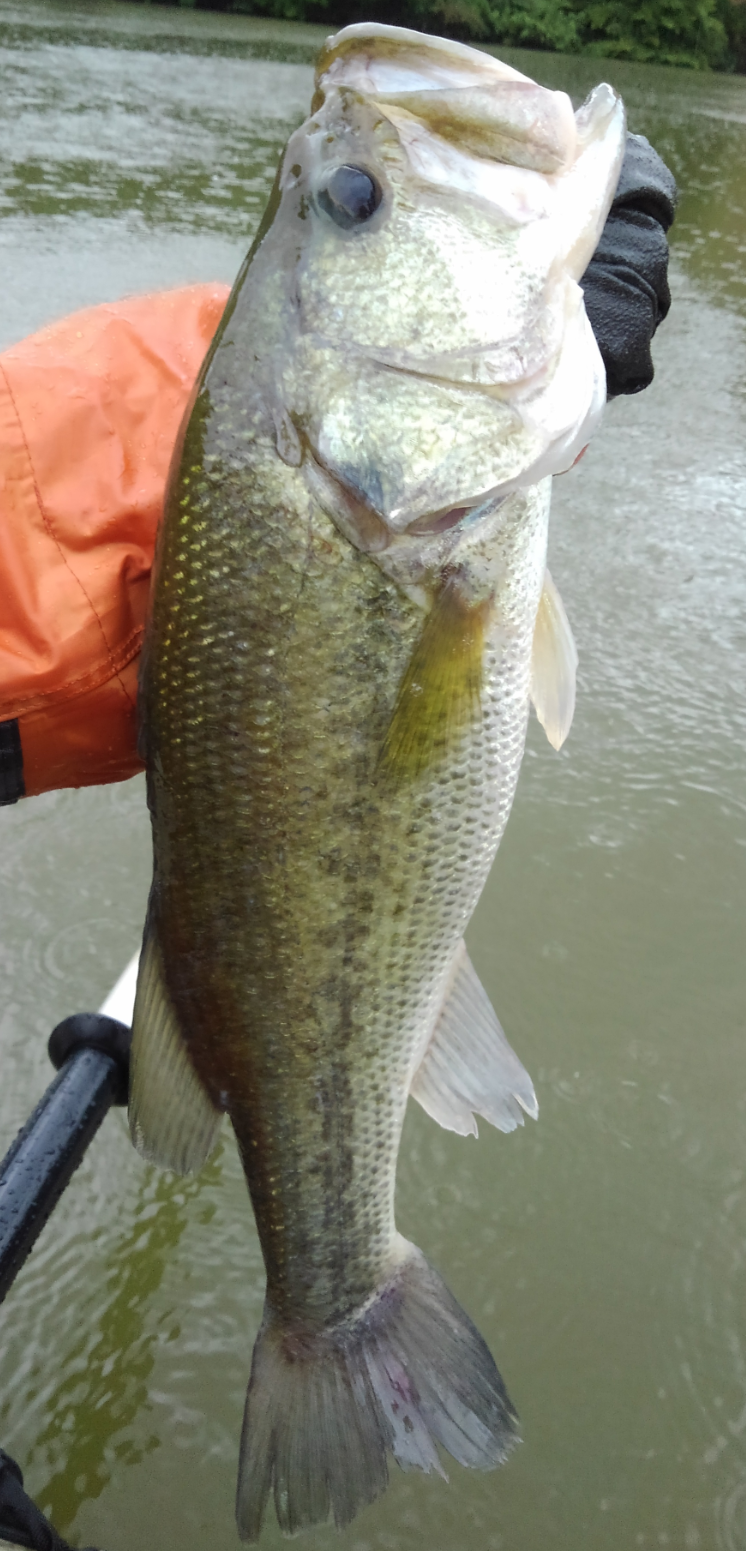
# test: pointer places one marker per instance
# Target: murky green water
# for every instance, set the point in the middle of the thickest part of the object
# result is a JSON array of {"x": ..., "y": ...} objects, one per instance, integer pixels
[{"x": 603, "y": 1250}]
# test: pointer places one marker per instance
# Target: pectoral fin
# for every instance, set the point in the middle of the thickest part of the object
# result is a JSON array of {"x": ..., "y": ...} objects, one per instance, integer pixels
[
  {"x": 553, "y": 666},
  {"x": 440, "y": 691},
  {"x": 469, "y": 1068},
  {"x": 173, "y": 1122}
]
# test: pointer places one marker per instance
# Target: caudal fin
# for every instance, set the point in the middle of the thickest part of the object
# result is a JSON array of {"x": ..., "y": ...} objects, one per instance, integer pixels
[{"x": 324, "y": 1408}]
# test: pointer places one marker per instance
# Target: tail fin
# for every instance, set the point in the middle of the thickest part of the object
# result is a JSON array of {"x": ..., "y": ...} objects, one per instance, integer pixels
[{"x": 325, "y": 1407}]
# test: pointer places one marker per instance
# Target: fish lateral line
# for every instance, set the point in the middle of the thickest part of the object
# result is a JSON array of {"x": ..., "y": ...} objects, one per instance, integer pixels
[{"x": 440, "y": 692}]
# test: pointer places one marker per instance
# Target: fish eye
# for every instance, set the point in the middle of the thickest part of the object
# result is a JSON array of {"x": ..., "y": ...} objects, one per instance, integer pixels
[{"x": 350, "y": 196}]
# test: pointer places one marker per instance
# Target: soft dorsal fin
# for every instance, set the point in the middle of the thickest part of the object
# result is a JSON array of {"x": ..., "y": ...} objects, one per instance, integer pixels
[
  {"x": 553, "y": 666},
  {"x": 469, "y": 1068},
  {"x": 173, "y": 1122}
]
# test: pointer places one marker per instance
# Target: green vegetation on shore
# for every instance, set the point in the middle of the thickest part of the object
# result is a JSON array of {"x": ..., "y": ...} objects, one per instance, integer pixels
[{"x": 699, "y": 34}]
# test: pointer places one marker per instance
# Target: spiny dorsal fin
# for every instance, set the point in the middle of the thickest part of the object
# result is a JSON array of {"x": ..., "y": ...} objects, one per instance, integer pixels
[
  {"x": 469, "y": 1068},
  {"x": 554, "y": 665},
  {"x": 173, "y": 1122},
  {"x": 441, "y": 688}
]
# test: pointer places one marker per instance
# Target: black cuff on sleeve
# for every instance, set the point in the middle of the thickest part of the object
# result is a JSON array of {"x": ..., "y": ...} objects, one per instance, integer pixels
[{"x": 11, "y": 764}]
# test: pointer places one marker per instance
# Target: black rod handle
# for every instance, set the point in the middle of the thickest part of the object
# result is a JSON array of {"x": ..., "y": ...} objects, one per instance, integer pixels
[{"x": 93, "y": 1053}]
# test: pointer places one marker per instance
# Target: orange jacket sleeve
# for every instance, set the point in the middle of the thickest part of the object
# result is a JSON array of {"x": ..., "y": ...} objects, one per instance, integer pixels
[{"x": 89, "y": 411}]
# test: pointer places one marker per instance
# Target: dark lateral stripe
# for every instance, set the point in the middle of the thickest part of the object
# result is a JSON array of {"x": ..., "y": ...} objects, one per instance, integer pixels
[{"x": 11, "y": 764}]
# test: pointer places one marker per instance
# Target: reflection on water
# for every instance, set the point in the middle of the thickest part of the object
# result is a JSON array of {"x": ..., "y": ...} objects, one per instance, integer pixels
[
  {"x": 600, "y": 1250},
  {"x": 128, "y": 144},
  {"x": 126, "y": 130},
  {"x": 89, "y": 1414}
]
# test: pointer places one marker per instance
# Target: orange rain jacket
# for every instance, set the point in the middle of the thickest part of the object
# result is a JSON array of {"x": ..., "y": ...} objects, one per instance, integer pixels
[{"x": 89, "y": 411}]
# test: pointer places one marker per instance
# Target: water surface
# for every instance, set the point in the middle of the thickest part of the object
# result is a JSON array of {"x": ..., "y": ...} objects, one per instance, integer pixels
[{"x": 601, "y": 1251}]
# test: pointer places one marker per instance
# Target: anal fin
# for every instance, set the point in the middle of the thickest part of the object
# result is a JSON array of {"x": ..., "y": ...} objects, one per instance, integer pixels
[
  {"x": 554, "y": 663},
  {"x": 469, "y": 1068},
  {"x": 173, "y": 1122}
]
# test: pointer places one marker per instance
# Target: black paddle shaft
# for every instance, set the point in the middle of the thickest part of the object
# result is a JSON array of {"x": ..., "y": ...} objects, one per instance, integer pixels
[{"x": 91, "y": 1053}]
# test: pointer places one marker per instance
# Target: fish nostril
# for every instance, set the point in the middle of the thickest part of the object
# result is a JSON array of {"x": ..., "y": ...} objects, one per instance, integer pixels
[{"x": 350, "y": 196}]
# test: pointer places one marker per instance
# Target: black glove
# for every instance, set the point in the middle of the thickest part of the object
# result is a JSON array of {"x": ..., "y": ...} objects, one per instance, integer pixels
[{"x": 626, "y": 283}]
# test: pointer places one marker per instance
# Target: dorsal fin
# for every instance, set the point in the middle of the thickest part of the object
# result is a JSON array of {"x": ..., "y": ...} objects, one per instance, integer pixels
[{"x": 554, "y": 665}]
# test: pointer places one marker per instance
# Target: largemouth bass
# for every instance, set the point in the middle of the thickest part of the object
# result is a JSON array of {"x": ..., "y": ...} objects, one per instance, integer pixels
[{"x": 349, "y": 617}]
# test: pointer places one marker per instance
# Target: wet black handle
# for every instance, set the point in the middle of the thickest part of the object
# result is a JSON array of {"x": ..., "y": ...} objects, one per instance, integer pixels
[
  {"x": 92, "y": 1054},
  {"x": 94, "y": 1031}
]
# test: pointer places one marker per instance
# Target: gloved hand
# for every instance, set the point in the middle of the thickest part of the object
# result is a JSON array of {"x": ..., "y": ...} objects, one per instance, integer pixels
[{"x": 626, "y": 283}]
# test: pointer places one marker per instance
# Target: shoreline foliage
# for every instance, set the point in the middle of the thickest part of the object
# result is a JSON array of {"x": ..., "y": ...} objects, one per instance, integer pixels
[{"x": 694, "y": 34}]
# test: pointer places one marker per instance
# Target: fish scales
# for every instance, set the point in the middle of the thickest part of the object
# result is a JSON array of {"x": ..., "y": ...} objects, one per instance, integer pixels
[
  {"x": 287, "y": 852},
  {"x": 336, "y": 685}
]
